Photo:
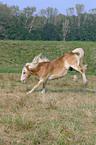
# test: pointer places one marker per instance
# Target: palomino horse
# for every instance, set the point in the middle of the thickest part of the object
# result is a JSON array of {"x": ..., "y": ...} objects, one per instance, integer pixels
[{"x": 47, "y": 70}]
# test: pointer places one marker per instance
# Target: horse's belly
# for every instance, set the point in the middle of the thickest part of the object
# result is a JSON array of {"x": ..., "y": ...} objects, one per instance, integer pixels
[{"x": 55, "y": 76}]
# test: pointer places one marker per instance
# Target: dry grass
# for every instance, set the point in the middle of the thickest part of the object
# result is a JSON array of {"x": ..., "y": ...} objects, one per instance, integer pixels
[{"x": 64, "y": 115}]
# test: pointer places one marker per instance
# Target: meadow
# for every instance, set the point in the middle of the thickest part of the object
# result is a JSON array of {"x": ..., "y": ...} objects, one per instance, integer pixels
[{"x": 64, "y": 115}]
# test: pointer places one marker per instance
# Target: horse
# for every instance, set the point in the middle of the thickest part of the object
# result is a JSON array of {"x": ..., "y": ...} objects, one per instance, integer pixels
[{"x": 47, "y": 70}]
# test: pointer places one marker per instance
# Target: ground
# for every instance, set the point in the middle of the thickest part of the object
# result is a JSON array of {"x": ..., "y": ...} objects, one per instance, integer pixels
[{"x": 65, "y": 114}]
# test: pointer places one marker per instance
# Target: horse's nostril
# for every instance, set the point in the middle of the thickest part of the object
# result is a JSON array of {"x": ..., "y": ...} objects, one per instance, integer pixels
[{"x": 23, "y": 81}]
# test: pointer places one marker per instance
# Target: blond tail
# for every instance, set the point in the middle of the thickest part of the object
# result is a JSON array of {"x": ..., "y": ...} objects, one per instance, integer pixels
[{"x": 81, "y": 54}]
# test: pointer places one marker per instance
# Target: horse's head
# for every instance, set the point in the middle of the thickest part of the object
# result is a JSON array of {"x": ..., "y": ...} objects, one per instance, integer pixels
[{"x": 26, "y": 73}]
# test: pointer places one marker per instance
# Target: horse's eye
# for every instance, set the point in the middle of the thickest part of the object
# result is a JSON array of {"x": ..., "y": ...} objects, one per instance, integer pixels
[{"x": 23, "y": 72}]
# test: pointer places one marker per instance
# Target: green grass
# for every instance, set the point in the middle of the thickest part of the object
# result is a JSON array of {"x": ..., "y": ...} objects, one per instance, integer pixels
[
  {"x": 14, "y": 54},
  {"x": 65, "y": 115}
]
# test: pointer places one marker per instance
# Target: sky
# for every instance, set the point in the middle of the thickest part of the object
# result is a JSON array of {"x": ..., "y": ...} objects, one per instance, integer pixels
[{"x": 61, "y": 5}]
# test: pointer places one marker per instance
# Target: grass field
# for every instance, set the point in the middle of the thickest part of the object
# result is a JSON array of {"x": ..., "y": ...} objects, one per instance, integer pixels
[{"x": 65, "y": 115}]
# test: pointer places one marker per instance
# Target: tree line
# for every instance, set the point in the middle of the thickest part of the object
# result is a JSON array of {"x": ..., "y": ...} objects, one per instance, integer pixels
[{"x": 49, "y": 24}]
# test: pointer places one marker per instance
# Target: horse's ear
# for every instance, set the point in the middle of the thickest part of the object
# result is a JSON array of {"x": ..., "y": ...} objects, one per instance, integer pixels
[{"x": 27, "y": 67}]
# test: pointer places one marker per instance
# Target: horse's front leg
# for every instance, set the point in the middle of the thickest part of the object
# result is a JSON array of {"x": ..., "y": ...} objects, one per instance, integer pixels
[
  {"x": 39, "y": 83},
  {"x": 44, "y": 85}
]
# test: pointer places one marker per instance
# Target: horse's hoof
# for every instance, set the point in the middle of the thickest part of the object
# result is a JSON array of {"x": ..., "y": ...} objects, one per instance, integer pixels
[
  {"x": 29, "y": 92},
  {"x": 75, "y": 78},
  {"x": 85, "y": 83}
]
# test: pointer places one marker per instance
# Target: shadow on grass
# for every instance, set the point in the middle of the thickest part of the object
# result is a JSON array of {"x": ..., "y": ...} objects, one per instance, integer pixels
[
  {"x": 67, "y": 90},
  {"x": 73, "y": 90}
]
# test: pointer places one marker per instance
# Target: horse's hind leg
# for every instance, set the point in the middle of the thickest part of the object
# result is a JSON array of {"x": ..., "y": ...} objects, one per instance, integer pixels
[
  {"x": 84, "y": 77},
  {"x": 79, "y": 69},
  {"x": 75, "y": 77}
]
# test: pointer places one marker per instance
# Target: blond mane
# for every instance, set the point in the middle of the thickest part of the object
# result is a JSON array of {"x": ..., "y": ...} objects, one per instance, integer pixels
[{"x": 37, "y": 59}]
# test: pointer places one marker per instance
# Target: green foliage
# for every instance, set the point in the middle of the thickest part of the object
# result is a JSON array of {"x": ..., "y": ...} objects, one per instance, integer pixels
[
  {"x": 49, "y": 25},
  {"x": 50, "y": 32},
  {"x": 35, "y": 34},
  {"x": 88, "y": 30},
  {"x": 5, "y": 18}
]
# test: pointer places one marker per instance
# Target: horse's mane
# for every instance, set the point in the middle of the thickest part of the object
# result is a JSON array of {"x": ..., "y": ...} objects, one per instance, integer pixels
[{"x": 37, "y": 59}]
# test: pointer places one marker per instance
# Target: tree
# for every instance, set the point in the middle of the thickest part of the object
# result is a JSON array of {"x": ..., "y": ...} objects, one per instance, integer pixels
[
  {"x": 51, "y": 15},
  {"x": 49, "y": 25},
  {"x": 35, "y": 34},
  {"x": 17, "y": 30},
  {"x": 28, "y": 12},
  {"x": 55, "y": 14},
  {"x": 79, "y": 9},
  {"x": 15, "y": 10},
  {"x": 88, "y": 30},
  {"x": 43, "y": 14},
  {"x": 70, "y": 11},
  {"x": 50, "y": 32},
  {"x": 5, "y": 18},
  {"x": 65, "y": 28},
  {"x": 92, "y": 11}
]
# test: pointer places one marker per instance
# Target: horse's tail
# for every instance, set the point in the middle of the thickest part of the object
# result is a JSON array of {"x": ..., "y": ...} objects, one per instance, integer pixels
[
  {"x": 80, "y": 51},
  {"x": 81, "y": 54}
]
